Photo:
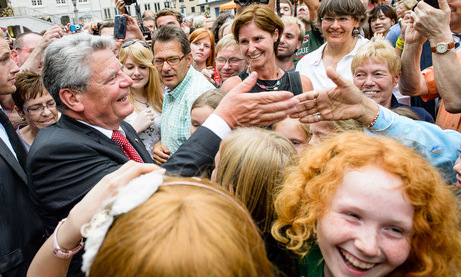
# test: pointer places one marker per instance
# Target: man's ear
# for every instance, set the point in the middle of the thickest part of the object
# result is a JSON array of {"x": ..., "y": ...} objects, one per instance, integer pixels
[
  {"x": 14, "y": 55},
  {"x": 300, "y": 42},
  {"x": 189, "y": 59},
  {"x": 72, "y": 99}
]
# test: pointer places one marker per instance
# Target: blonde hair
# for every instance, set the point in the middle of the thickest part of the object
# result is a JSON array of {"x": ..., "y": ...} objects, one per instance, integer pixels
[
  {"x": 252, "y": 163},
  {"x": 209, "y": 98},
  {"x": 142, "y": 55},
  {"x": 306, "y": 196},
  {"x": 291, "y": 20},
  {"x": 184, "y": 230},
  {"x": 378, "y": 50},
  {"x": 226, "y": 41}
]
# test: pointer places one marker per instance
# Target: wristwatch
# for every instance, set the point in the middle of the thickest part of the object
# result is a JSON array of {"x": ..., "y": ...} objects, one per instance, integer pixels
[{"x": 443, "y": 47}]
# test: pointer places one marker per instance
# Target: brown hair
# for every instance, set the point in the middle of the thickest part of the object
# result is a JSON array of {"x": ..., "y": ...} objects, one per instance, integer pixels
[
  {"x": 29, "y": 85},
  {"x": 306, "y": 195},
  {"x": 264, "y": 17},
  {"x": 167, "y": 11}
]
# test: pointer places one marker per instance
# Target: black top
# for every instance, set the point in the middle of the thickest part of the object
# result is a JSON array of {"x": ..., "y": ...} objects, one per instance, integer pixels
[{"x": 284, "y": 82}]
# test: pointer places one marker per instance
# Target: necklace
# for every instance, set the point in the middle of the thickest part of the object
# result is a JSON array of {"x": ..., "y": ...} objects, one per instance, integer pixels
[
  {"x": 269, "y": 88},
  {"x": 145, "y": 103}
]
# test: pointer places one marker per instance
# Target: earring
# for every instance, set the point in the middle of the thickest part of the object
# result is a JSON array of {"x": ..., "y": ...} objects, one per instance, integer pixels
[
  {"x": 356, "y": 32},
  {"x": 23, "y": 119}
]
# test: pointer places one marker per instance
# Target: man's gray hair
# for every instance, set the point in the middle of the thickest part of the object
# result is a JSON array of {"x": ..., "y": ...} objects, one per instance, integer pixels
[{"x": 66, "y": 63}]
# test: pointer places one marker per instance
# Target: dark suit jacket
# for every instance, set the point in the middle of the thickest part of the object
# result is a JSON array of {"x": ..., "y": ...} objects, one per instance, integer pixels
[
  {"x": 66, "y": 160},
  {"x": 21, "y": 232},
  {"x": 196, "y": 155}
]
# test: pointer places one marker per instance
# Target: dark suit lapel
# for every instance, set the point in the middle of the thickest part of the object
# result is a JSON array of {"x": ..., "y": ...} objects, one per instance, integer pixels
[
  {"x": 6, "y": 154},
  {"x": 14, "y": 139}
]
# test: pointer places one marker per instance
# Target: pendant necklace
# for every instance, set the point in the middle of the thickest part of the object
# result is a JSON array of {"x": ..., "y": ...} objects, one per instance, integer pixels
[
  {"x": 145, "y": 103},
  {"x": 269, "y": 88}
]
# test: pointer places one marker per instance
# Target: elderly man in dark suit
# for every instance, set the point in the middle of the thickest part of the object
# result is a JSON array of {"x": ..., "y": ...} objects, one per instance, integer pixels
[
  {"x": 68, "y": 158},
  {"x": 20, "y": 226}
]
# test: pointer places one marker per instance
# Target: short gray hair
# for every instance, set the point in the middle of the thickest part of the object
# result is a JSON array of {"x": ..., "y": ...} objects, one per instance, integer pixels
[{"x": 66, "y": 63}]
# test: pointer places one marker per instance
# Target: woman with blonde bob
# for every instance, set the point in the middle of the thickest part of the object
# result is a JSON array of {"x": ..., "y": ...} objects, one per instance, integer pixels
[
  {"x": 146, "y": 93},
  {"x": 250, "y": 164},
  {"x": 406, "y": 225}
]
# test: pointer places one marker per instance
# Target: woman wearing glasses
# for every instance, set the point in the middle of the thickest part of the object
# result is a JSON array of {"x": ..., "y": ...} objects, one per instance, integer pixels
[
  {"x": 34, "y": 104},
  {"x": 258, "y": 30},
  {"x": 340, "y": 22},
  {"x": 146, "y": 95}
]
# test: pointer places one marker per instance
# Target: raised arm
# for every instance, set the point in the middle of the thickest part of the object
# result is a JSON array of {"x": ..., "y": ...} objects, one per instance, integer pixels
[{"x": 435, "y": 25}]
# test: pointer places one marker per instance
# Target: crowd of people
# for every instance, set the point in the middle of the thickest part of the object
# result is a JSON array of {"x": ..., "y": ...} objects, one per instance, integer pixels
[{"x": 317, "y": 138}]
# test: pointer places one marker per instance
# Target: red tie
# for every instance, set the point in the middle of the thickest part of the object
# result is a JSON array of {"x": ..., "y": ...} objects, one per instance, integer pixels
[{"x": 126, "y": 146}]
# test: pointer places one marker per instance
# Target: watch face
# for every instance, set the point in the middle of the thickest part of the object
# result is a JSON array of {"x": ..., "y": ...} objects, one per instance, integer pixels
[{"x": 442, "y": 48}]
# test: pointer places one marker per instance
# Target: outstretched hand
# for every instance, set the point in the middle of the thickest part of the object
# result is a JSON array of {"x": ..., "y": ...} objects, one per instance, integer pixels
[
  {"x": 345, "y": 101},
  {"x": 239, "y": 108}
]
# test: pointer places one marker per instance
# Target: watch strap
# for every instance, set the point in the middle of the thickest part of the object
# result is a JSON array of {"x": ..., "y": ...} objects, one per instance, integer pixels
[
  {"x": 60, "y": 252},
  {"x": 450, "y": 45}
]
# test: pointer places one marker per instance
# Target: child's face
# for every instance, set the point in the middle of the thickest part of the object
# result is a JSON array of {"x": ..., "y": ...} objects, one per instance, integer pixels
[
  {"x": 291, "y": 129},
  {"x": 198, "y": 115},
  {"x": 367, "y": 229}
]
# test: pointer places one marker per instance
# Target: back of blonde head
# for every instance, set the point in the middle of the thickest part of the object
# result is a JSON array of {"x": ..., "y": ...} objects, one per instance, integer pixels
[
  {"x": 183, "y": 231},
  {"x": 252, "y": 161}
]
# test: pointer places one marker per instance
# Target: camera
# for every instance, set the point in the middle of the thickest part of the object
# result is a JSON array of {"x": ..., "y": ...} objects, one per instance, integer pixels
[
  {"x": 129, "y": 2},
  {"x": 249, "y": 2},
  {"x": 75, "y": 28}
]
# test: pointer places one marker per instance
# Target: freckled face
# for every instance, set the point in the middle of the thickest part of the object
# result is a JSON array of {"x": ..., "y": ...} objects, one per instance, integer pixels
[{"x": 367, "y": 229}]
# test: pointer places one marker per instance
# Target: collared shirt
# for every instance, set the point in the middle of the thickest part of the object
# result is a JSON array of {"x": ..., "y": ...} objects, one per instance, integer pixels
[
  {"x": 440, "y": 147},
  {"x": 312, "y": 66},
  {"x": 106, "y": 132},
  {"x": 5, "y": 138},
  {"x": 177, "y": 104}
]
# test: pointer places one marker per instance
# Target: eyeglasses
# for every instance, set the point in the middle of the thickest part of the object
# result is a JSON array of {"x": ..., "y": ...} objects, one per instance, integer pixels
[
  {"x": 171, "y": 61},
  {"x": 232, "y": 61},
  {"x": 38, "y": 109},
  {"x": 131, "y": 42},
  {"x": 25, "y": 49},
  {"x": 341, "y": 19}
]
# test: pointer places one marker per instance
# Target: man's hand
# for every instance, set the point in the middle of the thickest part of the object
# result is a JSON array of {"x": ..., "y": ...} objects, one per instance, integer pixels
[
  {"x": 120, "y": 4},
  {"x": 132, "y": 29},
  {"x": 433, "y": 23},
  {"x": 345, "y": 101},
  {"x": 239, "y": 108},
  {"x": 161, "y": 153}
]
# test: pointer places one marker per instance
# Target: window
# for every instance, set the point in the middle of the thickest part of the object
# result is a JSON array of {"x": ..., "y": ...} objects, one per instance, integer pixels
[
  {"x": 36, "y": 2},
  {"x": 83, "y": 1},
  {"x": 181, "y": 1},
  {"x": 146, "y": 6},
  {"x": 60, "y": 1},
  {"x": 202, "y": 9},
  {"x": 106, "y": 13},
  {"x": 117, "y": 12},
  {"x": 157, "y": 6},
  {"x": 192, "y": 9}
]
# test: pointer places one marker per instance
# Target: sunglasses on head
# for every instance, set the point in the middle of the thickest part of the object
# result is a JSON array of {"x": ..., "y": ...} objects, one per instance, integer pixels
[{"x": 131, "y": 42}]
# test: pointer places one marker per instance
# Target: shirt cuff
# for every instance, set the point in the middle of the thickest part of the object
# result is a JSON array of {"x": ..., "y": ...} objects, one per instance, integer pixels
[{"x": 217, "y": 125}]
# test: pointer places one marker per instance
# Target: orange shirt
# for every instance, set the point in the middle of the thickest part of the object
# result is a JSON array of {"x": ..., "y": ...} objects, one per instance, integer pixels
[{"x": 444, "y": 119}]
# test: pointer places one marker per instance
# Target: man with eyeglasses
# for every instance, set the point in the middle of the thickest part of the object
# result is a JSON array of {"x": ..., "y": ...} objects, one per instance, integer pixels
[{"x": 173, "y": 58}]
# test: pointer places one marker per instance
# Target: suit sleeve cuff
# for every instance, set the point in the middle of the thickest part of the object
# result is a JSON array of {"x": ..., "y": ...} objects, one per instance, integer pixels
[{"x": 217, "y": 125}]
